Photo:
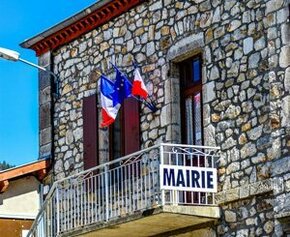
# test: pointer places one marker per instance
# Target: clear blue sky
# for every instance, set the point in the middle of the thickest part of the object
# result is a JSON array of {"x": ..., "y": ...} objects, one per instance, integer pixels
[{"x": 20, "y": 20}]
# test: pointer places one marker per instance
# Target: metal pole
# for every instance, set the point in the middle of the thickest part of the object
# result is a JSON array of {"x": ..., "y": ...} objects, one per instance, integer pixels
[
  {"x": 56, "y": 81},
  {"x": 33, "y": 65}
]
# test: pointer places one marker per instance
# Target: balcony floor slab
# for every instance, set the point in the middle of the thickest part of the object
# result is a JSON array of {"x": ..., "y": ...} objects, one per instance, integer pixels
[{"x": 155, "y": 222}]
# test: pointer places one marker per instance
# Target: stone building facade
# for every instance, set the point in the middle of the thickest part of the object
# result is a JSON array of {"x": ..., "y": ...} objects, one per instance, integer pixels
[{"x": 245, "y": 95}]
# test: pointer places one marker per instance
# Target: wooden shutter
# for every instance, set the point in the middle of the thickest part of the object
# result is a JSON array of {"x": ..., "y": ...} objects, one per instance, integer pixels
[
  {"x": 90, "y": 131},
  {"x": 131, "y": 129}
]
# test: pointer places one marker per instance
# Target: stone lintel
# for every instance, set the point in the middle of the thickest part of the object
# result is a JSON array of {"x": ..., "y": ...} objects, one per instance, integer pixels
[{"x": 186, "y": 48}]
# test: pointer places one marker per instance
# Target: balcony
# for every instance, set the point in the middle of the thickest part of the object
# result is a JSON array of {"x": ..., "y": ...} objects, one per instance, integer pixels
[{"x": 145, "y": 189}]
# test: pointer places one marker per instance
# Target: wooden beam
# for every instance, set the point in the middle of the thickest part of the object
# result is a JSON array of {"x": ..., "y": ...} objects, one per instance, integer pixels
[
  {"x": 24, "y": 170},
  {"x": 41, "y": 174},
  {"x": 4, "y": 185}
]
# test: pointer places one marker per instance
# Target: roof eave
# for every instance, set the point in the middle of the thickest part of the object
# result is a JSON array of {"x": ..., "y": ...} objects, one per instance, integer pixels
[
  {"x": 37, "y": 168},
  {"x": 79, "y": 24},
  {"x": 35, "y": 39}
]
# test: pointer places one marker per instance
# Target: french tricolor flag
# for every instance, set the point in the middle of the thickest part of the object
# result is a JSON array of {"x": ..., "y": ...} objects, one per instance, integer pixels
[
  {"x": 109, "y": 111},
  {"x": 139, "y": 87}
]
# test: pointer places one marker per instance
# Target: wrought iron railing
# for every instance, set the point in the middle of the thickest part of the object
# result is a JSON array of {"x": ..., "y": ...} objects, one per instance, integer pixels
[{"x": 120, "y": 188}]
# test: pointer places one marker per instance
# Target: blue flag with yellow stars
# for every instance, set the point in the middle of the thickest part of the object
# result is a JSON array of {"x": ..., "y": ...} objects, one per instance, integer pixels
[{"x": 122, "y": 87}]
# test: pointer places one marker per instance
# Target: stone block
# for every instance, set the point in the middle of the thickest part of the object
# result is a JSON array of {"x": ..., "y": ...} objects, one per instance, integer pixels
[
  {"x": 273, "y": 5},
  {"x": 220, "y": 197},
  {"x": 287, "y": 79},
  {"x": 209, "y": 136},
  {"x": 278, "y": 185},
  {"x": 230, "y": 216},
  {"x": 281, "y": 166},
  {"x": 165, "y": 115},
  {"x": 285, "y": 111},
  {"x": 206, "y": 19},
  {"x": 254, "y": 60},
  {"x": 44, "y": 79},
  {"x": 248, "y": 150},
  {"x": 168, "y": 87},
  {"x": 44, "y": 151},
  {"x": 284, "y": 59},
  {"x": 45, "y": 116},
  {"x": 264, "y": 142},
  {"x": 243, "y": 233},
  {"x": 285, "y": 30},
  {"x": 45, "y": 95},
  {"x": 244, "y": 191},
  {"x": 232, "y": 194},
  {"x": 209, "y": 93},
  {"x": 45, "y": 136},
  {"x": 255, "y": 133},
  {"x": 261, "y": 187},
  {"x": 45, "y": 59}
]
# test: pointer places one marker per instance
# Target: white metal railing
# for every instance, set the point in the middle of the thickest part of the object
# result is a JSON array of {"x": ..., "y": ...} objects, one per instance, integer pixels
[{"x": 119, "y": 188}]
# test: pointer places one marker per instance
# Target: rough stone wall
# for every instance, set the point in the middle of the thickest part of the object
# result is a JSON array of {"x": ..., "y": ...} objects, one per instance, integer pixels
[
  {"x": 248, "y": 217},
  {"x": 245, "y": 46}
]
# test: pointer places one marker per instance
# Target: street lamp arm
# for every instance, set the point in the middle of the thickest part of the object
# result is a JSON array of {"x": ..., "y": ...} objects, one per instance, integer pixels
[
  {"x": 15, "y": 56},
  {"x": 35, "y": 65},
  {"x": 56, "y": 80}
]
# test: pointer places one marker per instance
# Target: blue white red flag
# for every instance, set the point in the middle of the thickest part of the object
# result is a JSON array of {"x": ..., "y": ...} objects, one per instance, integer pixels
[
  {"x": 122, "y": 87},
  {"x": 109, "y": 110},
  {"x": 139, "y": 87}
]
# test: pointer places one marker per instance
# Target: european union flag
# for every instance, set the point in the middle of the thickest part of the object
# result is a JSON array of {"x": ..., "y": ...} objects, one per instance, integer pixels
[{"x": 122, "y": 87}]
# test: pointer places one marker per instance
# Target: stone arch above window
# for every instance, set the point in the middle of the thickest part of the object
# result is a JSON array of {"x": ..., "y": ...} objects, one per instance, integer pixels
[{"x": 186, "y": 47}]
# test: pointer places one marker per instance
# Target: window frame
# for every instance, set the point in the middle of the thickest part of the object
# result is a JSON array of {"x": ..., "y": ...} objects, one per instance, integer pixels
[{"x": 190, "y": 88}]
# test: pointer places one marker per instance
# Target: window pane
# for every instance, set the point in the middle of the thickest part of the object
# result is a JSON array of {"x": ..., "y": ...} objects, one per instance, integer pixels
[
  {"x": 189, "y": 121},
  {"x": 196, "y": 70},
  {"x": 197, "y": 120}
]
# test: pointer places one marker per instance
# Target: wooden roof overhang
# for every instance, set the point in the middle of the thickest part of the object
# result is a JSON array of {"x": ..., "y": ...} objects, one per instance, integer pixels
[
  {"x": 79, "y": 24},
  {"x": 39, "y": 169}
]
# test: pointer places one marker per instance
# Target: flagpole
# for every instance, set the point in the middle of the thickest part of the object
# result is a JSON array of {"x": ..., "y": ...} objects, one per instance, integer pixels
[
  {"x": 150, "y": 105},
  {"x": 100, "y": 74}
]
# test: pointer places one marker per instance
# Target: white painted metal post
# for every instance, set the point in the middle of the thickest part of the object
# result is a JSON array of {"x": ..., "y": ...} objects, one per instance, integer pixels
[
  {"x": 57, "y": 211},
  {"x": 161, "y": 149},
  {"x": 107, "y": 191}
]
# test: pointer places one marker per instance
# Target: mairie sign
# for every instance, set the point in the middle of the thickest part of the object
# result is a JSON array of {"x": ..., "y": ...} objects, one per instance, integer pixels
[{"x": 187, "y": 178}]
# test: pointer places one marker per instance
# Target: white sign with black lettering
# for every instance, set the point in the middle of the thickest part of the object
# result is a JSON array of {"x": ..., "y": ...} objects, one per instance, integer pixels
[{"x": 187, "y": 178}]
